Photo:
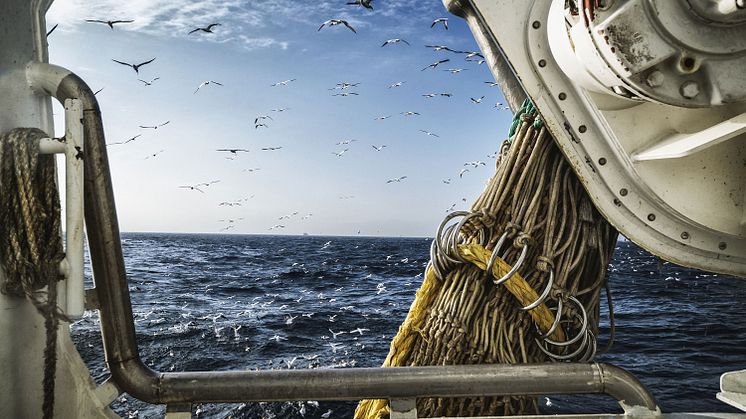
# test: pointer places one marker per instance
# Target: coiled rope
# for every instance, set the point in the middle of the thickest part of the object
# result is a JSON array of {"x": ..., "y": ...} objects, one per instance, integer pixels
[
  {"x": 30, "y": 237},
  {"x": 546, "y": 247}
]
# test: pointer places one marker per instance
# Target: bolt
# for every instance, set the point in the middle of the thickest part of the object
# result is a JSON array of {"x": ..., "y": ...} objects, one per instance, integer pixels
[
  {"x": 655, "y": 79},
  {"x": 684, "y": 235},
  {"x": 689, "y": 89}
]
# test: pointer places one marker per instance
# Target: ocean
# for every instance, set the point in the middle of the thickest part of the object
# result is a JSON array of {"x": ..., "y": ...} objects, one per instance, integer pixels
[{"x": 220, "y": 302}]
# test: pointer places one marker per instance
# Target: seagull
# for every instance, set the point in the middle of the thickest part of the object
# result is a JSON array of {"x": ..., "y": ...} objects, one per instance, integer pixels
[
  {"x": 345, "y": 85},
  {"x": 280, "y": 109},
  {"x": 207, "y": 29},
  {"x": 277, "y": 226},
  {"x": 498, "y": 104},
  {"x": 98, "y": 91},
  {"x": 271, "y": 148},
  {"x": 396, "y": 179},
  {"x": 364, "y": 3},
  {"x": 430, "y": 95},
  {"x": 205, "y": 83},
  {"x": 461, "y": 173},
  {"x": 447, "y": 181},
  {"x": 330, "y": 411},
  {"x": 154, "y": 154},
  {"x": 339, "y": 154},
  {"x": 430, "y": 133},
  {"x": 445, "y": 94},
  {"x": 334, "y": 347},
  {"x": 443, "y": 20},
  {"x": 394, "y": 41},
  {"x": 283, "y": 83},
  {"x": 381, "y": 118},
  {"x": 379, "y": 148},
  {"x": 111, "y": 23},
  {"x": 410, "y": 113},
  {"x": 154, "y": 126},
  {"x": 289, "y": 319},
  {"x": 148, "y": 83},
  {"x": 334, "y": 22},
  {"x": 397, "y": 84},
  {"x": 345, "y": 142},
  {"x": 435, "y": 64},
  {"x": 277, "y": 338},
  {"x": 441, "y": 48},
  {"x": 493, "y": 83},
  {"x": 127, "y": 141},
  {"x": 233, "y": 150},
  {"x": 335, "y": 334},
  {"x": 359, "y": 330},
  {"x": 479, "y": 62},
  {"x": 477, "y": 101},
  {"x": 52, "y": 30},
  {"x": 135, "y": 67},
  {"x": 251, "y": 170},
  {"x": 260, "y": 117},
  {"x": 345, "y": 94},
  {"x": 471, "y": 54},
  {"x": 475, "y": 163},
  {"x": 455, "y": 70},
  {"x": 451, "y": 208}
]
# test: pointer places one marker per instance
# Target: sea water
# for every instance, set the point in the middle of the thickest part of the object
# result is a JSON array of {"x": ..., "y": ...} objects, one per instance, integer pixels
[{"x": 223, "y": 302}]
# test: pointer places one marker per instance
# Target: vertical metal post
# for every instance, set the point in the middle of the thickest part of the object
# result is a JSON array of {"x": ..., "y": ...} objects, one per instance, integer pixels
[{"x": 75, "y": 290}]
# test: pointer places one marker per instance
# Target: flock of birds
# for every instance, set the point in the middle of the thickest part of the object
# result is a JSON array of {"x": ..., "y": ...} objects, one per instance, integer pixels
[{"x": 341, "y": 89}]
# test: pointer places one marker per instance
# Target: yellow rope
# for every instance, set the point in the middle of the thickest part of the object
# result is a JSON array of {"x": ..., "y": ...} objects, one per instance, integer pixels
[{"x": 404, "y": 340}]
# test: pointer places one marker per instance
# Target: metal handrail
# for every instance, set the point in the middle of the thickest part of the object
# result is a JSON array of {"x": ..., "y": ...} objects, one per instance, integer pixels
[{"x": 130, "y": 374}]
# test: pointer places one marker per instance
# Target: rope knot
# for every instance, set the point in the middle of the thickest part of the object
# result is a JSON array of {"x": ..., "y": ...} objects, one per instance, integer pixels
[
  {"x": 512, "y": 229},
  {"x": 488, "y": 220},
  {"x": 523, "y": 239},
  {"x": 544, "y": 264}
]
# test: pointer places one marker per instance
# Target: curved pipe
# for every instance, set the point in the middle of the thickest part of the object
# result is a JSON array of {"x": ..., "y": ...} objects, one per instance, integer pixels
[{"x": 132, "y": 376}]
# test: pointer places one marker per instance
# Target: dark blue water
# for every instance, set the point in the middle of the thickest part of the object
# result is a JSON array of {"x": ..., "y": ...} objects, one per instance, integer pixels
[{"x": 219, "y": 302}]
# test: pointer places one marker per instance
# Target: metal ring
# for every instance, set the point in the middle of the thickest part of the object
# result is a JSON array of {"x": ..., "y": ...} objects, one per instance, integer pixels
[
  {"x": 493, "y": 256},
  {"x": 449, "y": 217},
  {"x": 580, "y": 334},
  {"x": 556, "y": 322},
  {"x": 455, "y": 237},
  {"x": 568, "y": 356},
  {"x": 591, "y": 350},
  {"x": 515, "y": 267},
  {"x": 544, "y": 294}
]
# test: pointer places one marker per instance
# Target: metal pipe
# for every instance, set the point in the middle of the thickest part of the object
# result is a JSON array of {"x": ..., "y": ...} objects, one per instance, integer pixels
[{"x": 132, "y": 376}]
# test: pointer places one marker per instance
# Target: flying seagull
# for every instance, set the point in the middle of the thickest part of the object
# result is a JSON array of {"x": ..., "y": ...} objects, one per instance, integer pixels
[
  {"x": 397, "y": 84},
  {"x": 394, "y": 41},
  {"x": 471, "y": 54},
  {"x": 462, "y": 172},
  {"x": 148, "y": 83},
  {"x": 396, "y": 179},
  {"x": 345, "y": 142},
  {"x": 280, "y": 109},
  {"x": 493, "y": 83},
  {"x": 154, "y": 126},
  {"x": 135, "y": 67},
  {"x": 126, "y": 141},
  {"x": 441, "y": 48},
  {"x": 207, "y": 29},
  {"x": 256, "y": 120},
  {"x": 430, "y": 133},
  {"x": 477, "y": 100},
  {"x": 410, "y": 113},
  {"x": 154, "y": 154},
  {"x": 443, "y": 20},
  {"x": 233, "y": 150},
  {"x": 345, "y": 94},
  {"x": 205, "y": 83},
  {"x": 52, "y": 30},
  {"x": 381, "y": 118},
  {"x": 339, "y": 154},
  {"x": 364, "y": 3},
  {"x": 475, "y": 163},
  {"x": 334, "y": 22},
  {"x": 435, "y": 64},
  {"x": 378, "y": 148},
  {"x": 455, "y": 70},
  {"x": 98, "y": 91},
  {"x": 344, "y": 85},
  {"x": 282, "y": 83},
  {"x": 111, "y": 23},
  {"x": 271, "y": 148}
]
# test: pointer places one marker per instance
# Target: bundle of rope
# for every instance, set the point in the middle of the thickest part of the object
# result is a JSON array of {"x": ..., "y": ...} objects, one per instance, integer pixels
[
  {"x": 30, "y": 236},
  {"x": 546, "y": 248}
]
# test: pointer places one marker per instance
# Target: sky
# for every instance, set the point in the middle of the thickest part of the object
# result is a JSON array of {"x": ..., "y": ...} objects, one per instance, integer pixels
[{"x": 303, "y": 187}]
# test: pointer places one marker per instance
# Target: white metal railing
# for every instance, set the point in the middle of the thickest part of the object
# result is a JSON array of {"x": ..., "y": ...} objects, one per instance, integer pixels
[{"x": 71, "y": 292}]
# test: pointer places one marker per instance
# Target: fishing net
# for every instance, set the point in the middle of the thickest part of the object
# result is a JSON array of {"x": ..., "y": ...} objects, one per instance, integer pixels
[{"x": 547, "y": 249}]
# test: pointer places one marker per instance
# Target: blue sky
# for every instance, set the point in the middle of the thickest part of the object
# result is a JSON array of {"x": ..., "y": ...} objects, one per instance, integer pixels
[{"x": 258, "y": 44}]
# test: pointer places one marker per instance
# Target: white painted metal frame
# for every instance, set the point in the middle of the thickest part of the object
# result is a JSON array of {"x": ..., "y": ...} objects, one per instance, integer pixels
[
  {"x": 689, "y": 209},
  {"x": 71, "y": 295}
]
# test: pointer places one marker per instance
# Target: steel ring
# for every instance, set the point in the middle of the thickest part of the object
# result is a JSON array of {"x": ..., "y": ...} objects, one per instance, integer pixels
[
  {"x": 568, "y": 356},
  {"x": 445, "y": 221},
  {"x": 580, "y": 334},
  {"x": 543, "y": 295},
  {"x": 591, "y": 348},
  {"x": 515, "y": 267},
  {"x": 493, "y": 256},
  {"x": 556, "y": 322},
  {"x": 454, "y": 242}
]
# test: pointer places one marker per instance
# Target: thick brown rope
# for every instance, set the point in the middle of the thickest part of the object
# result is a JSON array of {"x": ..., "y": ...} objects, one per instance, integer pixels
[
  {"x": 463, "y": 318},
  {"x": 30, "y": 237}
]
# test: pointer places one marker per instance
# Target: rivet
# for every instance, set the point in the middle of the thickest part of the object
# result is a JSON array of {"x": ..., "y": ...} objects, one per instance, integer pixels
[
  {"x": 651, "y": 217},
  {"x": 582, "y": 129},
  {"x": 617, "y": 202},
  {"x": 542, "y": 63},
  {"x": 722, "y": 246},
  {"x": 685, "y": 235},
  {"x": 562, "y": 96},
  {"x": 536, "y": 24},
  {"x": 602, "y": 161},
  {"x": 623, "y": 192}
]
